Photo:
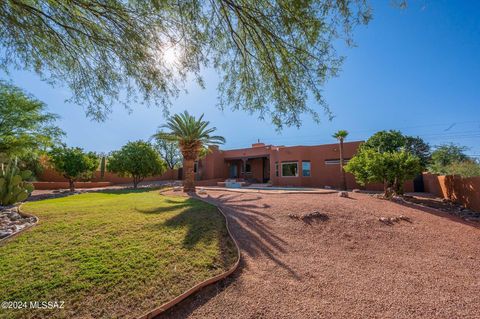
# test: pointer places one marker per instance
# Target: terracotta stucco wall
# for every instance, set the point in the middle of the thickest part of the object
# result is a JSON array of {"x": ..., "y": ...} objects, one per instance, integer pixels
[
  {"x": 465, "y": 191},
  {"x": 50, "y": 175},
  {"x": 65, "y": 185},
  {"x": 321, "y": 174}
]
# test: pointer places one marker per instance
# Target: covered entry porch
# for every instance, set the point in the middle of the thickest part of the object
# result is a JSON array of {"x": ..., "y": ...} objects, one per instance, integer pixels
[{"x": 253, "y": 169}]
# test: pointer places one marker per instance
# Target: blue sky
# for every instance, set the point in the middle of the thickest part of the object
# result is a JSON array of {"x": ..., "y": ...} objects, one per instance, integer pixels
[{"x": 417, "y": 70}]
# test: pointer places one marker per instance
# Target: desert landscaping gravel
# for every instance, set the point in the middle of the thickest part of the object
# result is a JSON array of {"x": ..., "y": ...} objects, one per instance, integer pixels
[{"x": 345, "y": 264}]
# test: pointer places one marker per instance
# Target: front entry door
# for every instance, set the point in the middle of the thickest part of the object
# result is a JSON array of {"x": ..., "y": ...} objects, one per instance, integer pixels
[
  {"x": 266, "y": 169},
  {"x": 233, "y": 171}
]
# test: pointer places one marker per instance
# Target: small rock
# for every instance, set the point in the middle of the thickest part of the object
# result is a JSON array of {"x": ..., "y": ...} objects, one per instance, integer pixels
[
  {"x": 14, "y": 216},
  {"x": 327, "y": 187},
  {"x": 356, "y": 190},
  {"x": 4, "y": 233},
  {"x": 343, "y": 194}
]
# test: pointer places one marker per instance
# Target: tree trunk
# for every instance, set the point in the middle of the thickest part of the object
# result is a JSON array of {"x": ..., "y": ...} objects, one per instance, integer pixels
[
  {"x": 398, "y": 188},
  {"x": 388, "y": 189},
  {"x": 342, "y": 171},
  {"x": 189, "y": 175},
  {"x": 135, "y": 182},
  {"x": 71, "y": 184}
]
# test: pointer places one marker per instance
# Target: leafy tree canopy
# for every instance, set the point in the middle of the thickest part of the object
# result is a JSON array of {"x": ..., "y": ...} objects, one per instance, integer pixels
[
  {"x": 395, "y": 141},
  {"x": 25, "y": 126},
  {"x": 168, "y": 150},
  {"x": 445, "y": 155},
  {"x": 271, "y": 55},
  {"x": 468, "y": 168},
  {"x": 390, "y": 168},
  {"x": 73, "y": 163},
  {"x": 137, "y": 160},
  {"x": 194, "y": 137}
]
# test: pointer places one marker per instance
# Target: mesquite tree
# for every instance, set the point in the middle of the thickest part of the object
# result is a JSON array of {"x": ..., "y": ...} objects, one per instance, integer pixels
[{"x": 272, "y": 56}]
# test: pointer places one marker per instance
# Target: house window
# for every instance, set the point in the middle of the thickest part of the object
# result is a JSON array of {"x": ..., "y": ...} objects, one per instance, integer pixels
[
  {"x": 248, "y": 168},
  {"x": 290, "y": 169},
  {"x": 276, "y": 169},
  {"x": 306, "y": 167},
  {"x": 195, "y": 167}
]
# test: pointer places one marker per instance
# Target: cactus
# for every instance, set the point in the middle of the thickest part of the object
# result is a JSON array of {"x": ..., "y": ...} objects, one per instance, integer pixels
[
  {"x": 102, "y": 167},
  {"x": 13, "y": 187}
]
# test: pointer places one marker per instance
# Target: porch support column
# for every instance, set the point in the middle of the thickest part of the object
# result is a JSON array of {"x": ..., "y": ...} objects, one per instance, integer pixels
[{"x": 244, "y": 163}]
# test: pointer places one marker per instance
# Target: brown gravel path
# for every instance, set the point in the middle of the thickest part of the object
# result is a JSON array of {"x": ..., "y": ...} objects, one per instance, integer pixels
[{"x": 348, "y": 266}]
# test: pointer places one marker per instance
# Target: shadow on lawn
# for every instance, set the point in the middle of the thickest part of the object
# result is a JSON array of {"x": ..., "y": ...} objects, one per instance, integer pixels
[{"x": 193, "y": 215}]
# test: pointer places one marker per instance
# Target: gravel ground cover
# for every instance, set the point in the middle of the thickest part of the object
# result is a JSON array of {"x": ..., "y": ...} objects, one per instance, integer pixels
[{"x": 345, "y": 264}]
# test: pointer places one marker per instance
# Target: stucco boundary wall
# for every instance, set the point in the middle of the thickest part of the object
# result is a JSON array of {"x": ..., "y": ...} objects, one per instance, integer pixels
[
  {"x": 50, "y": 175},
  {"x": 50, "y": 179},
  {"x": 465, "y": 191},
  {"x": 65, "y": 185},
  {"x": 155, "y": 312}
]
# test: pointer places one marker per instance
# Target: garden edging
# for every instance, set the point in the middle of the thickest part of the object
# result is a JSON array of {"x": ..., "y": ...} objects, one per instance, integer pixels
[
  {"x": 23, "y": 214},
  {"x": 157, "y": 311}
]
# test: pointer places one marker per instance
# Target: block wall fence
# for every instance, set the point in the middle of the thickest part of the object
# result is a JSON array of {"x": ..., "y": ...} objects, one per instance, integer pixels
[
  {"x": 465, "y": 191},
  {"x": 50, "y": 179}
]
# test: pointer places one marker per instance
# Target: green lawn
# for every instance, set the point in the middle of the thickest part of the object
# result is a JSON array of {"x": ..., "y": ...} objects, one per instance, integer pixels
[{"x": 112, "y": 254}]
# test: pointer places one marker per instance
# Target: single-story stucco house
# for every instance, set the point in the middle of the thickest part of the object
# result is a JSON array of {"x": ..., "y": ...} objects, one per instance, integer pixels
[{"x": 299, "y": 166}]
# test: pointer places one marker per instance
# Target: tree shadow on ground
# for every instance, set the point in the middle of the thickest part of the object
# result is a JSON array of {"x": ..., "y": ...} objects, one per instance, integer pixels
[
  {"x": 193, "y": 215},
  {"x": 250, "y": 227}
]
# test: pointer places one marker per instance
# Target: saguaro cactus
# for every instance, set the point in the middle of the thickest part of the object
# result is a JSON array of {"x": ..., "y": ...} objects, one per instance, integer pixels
[
  {"x": 102, "y": 167},
  {"x": 13, "y": 187}
]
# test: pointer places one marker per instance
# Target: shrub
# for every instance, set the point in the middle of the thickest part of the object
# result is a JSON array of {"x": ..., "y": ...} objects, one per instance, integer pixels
[
  {"x": 464, "y": 169},
  {"x": 73, "y": 163},
  {"x": 390, "y": 168},
  {"x": 137, "y": 160}
]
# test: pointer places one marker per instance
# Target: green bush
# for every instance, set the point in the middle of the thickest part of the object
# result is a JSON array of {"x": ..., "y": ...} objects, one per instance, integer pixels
[
  {"x": 390, "y": 168},
  {"x": 136, "y": 160},
  {"x": 464, "y": 169},
  {"x": 73, "y": 163}
]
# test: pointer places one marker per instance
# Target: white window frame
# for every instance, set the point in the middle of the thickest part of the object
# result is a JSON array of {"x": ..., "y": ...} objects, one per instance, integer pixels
[{"x": 291, "y": 162}]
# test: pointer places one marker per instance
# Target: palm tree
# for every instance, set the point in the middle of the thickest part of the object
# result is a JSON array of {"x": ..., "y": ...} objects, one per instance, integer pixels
[
  {"x": 341, "y": 135},
  {"x": 193, "y": 136}
]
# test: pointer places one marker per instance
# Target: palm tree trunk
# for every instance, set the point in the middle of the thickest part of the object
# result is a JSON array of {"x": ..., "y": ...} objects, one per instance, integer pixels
[
  {"x": 342, "y": 171},
  {"x": 189, "y": 175}
]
